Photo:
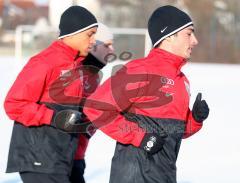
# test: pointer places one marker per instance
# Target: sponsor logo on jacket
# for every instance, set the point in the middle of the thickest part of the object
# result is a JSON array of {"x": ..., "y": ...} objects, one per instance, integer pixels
[{"x": 167, "y": 81}]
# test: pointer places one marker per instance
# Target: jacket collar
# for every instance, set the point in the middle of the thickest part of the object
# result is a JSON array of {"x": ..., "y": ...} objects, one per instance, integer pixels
[
  {"x": 175, "y": 60},
  {"x": 67, "y": 49}
]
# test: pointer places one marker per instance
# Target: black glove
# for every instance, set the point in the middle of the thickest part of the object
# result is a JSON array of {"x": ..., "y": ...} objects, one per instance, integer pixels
[
  {"x": 200, "y": 109},
  {"x": 152, "y": 142},
  {"x": 67, "y": 120},
  {"x": 65, "y": 117}
]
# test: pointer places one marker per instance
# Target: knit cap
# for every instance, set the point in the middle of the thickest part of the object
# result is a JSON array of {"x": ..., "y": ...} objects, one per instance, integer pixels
[
  {"x": 76, "y": 19},
  {"x": 166, "y": 21}
]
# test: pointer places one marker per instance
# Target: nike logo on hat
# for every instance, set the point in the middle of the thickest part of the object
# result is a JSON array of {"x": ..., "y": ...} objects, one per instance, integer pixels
[{"x": 162, "y": 31}]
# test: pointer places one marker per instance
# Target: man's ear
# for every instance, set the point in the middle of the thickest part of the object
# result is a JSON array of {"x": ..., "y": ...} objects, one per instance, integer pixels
[
  {"x": 166, "y": 41},
  {"x": 170, "y": 38}
]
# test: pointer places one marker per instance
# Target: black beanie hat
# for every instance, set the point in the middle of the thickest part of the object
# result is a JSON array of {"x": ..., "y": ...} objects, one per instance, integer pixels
[
  {"x": 166, "y": 21},
  {"x": 76, "y": 19}
]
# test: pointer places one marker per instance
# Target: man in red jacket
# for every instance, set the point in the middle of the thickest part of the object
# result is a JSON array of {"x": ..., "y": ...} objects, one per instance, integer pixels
[
  {"x": 145, "y": 105},
  {"x": 44, "y": 103}
]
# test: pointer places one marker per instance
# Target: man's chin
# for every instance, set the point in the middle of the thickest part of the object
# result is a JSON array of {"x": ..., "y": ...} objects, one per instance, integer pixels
[
  {"x": 188, "y": 56},
  {"x": 84, "y": 54}
]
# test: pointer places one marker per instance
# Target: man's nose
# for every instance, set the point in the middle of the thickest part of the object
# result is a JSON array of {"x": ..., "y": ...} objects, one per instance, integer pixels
[
  {"x": 194, "y": 41},
  {"x": 93, "y": 41}
]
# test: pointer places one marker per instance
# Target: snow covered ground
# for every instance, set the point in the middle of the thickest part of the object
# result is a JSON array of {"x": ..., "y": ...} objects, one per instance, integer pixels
[{"x": 210, "y": 156}]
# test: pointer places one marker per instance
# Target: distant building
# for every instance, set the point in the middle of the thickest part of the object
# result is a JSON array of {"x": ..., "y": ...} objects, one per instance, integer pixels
[
  {"x": 56, "y": 9},
  {"x": 18, "y": 12}
]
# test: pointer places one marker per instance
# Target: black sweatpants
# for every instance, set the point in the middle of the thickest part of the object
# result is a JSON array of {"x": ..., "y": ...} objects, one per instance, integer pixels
[
  {"x": 76, "y": 175},
  {"x": 78, "y": 171},
  {"x": 34, "y": 177}
]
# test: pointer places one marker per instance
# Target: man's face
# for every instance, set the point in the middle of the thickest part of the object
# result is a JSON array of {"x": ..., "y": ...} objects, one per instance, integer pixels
[
  {"x": 102, "y": 49},
  {"x": 183, "y": 42},
  {"x": 84, "y": 41}
]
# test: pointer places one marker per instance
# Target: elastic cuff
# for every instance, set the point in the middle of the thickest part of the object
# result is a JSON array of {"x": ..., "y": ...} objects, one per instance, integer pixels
[
  {"x": 138, "y": 139},
  {"x": 47, "y": 118}
]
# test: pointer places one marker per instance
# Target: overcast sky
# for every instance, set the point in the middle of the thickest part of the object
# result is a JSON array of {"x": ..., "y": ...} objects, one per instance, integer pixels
[{"x": 42, "y": 1}]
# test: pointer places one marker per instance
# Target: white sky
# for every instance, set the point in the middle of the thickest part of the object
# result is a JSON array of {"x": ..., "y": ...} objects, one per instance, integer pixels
[{"x": 41, "y": 1}]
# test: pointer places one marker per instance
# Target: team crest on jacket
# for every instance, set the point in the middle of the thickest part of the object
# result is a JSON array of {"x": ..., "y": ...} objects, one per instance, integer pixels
[
  {"x": 187, "y": 86},
  {"x": 150, "y": 143}
]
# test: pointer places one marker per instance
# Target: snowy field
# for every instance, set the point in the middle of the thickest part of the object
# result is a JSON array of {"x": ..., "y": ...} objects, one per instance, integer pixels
[{"x": 210, "y": 156}]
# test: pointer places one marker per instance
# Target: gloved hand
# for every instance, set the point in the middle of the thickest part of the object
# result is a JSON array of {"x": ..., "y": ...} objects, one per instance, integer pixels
[
  {"x": 65, "y": 117},
  {"x": 153, "y": 142},
  {"x": 200, "y": 109},
  {"x": 67, "y": 120}
]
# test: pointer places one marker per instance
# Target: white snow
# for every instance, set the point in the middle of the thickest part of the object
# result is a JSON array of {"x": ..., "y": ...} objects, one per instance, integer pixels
[{"x": 210, "y": 156}]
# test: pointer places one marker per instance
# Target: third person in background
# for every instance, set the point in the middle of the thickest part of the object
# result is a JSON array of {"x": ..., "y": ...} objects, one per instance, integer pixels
[{"x": 91, "y": 66}]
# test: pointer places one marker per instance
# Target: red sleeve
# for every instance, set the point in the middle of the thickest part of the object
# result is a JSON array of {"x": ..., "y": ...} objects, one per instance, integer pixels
[
  {"x": 21, "y": 101},
  {"x": 191, "y": 126},
  {"x": 103, "y": 110}
]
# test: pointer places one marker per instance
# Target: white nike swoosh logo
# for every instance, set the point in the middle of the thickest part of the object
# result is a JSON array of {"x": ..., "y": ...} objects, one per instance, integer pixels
[{"x": 163, "y": 29}]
